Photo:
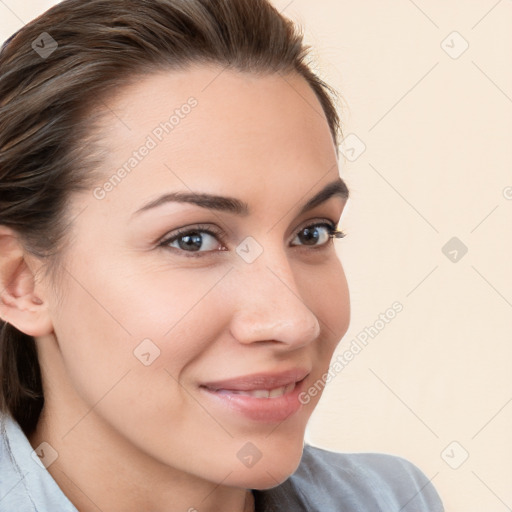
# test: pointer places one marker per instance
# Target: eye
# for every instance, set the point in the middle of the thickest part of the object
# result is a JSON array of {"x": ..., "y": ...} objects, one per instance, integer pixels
[
  {"x": 318, "y": 234},
  {"x": 200, "y": 239},
  {"x": 192, "y": 240}
]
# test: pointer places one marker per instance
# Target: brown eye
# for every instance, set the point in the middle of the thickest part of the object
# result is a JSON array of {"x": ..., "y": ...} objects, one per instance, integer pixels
[
  {"x": 315, "y": 235},
  {"x": 192, "y": 240}
]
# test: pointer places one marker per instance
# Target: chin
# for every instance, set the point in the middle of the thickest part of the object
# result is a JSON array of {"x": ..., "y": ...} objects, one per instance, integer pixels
[
  {"x": 277, "y": 463},
  {"x": 272, "y": 478}
]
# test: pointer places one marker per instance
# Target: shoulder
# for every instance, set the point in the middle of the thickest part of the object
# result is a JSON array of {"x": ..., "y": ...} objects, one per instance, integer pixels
[
  {"x": 25, "y": 484},
  {"x": 355, "y": 482}
]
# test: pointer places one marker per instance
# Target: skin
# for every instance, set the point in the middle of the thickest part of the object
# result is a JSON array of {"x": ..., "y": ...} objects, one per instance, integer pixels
[{"x": 131, "y": 437}]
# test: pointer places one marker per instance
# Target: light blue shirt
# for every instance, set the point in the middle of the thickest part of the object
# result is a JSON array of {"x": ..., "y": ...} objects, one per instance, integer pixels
[{"x": 325, "y": 481}]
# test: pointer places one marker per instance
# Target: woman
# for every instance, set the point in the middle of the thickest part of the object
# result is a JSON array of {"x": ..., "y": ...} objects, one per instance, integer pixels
[{"x": 170, "y": 290}]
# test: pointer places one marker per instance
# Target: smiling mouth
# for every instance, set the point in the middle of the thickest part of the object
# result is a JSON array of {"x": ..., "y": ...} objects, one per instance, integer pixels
[
  {"x": 273, "y": 383},
  {"x": 259, "y": 393},
  {"x": 263, "y": 398}
]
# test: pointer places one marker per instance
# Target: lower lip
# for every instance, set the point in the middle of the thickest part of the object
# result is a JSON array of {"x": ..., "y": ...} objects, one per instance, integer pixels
[{"x": 266, "y": 410}]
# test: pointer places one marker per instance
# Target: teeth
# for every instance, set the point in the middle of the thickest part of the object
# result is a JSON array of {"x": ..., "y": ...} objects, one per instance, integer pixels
[
  {"x": 262, "y": 393},
  {"x": 277, "y": 392},
  {"x": 258, "y": 393}
]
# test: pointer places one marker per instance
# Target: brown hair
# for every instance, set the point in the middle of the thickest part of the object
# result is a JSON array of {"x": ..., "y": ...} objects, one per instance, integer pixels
[{"x": 59, "y": 69}]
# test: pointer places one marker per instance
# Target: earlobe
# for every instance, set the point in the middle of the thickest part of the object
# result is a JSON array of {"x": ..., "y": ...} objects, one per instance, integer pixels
[{"x": 20, "y": 305}]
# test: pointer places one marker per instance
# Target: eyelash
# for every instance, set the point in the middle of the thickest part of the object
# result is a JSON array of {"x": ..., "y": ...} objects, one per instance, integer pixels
[{"x": 331, "y": 226}]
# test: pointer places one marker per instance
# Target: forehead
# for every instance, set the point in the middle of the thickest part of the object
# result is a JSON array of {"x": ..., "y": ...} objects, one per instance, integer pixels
[{"x": 215, "y": 129}]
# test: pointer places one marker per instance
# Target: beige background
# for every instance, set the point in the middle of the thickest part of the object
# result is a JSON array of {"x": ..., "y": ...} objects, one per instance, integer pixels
[{"x": 436, "y": 124}]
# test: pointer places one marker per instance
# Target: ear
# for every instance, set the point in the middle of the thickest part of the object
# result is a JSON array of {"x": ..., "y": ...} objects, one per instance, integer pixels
[{"x": 21, "y": 303}]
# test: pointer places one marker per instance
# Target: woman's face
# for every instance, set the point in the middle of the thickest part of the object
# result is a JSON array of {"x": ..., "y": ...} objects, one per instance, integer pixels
[{"x": 148, "y": 318}]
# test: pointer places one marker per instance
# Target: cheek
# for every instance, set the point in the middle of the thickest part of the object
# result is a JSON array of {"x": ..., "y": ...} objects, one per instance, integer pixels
[
  {"x": 329, "y": 298},
  {"x": 146, "y": 323},
  {"x": 331, "y": 304},
  {"x": 146, "y": 396},
  {"x": 338, "y": 308},
  {"x": 332, "y": 307}
]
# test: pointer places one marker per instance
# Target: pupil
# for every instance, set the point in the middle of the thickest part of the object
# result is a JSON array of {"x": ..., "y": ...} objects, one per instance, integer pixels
[
  {"x": 311, "y": 236},
  {"x": 190, "y": 242}
]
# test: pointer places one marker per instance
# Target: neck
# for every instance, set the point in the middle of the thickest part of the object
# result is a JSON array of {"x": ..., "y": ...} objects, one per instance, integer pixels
[{"x": 114, "y": 475}]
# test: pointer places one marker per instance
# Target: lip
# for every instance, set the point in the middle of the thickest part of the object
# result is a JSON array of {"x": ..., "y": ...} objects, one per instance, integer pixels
[
  {"x": 223, "y": 396},
  {"x": 268, "y": 380}
]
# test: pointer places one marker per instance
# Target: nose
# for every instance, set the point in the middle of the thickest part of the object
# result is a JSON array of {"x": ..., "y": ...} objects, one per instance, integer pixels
[{"x": 269, "y": 306}]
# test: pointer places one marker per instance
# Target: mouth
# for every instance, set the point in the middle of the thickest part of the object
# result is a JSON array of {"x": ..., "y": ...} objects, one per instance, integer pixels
[
  {"x": 263, "y": 397},
  {"x": 260, "y": 393},
  {"x": 268, "y": 381}
]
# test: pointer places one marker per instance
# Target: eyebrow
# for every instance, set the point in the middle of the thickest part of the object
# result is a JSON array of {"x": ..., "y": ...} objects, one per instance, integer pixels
[{"x": 238, "y": 207}]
